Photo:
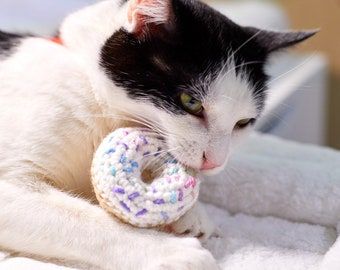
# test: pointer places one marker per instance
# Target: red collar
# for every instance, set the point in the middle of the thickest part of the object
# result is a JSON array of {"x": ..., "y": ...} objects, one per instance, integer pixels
[{"x": 56, "y": 40}]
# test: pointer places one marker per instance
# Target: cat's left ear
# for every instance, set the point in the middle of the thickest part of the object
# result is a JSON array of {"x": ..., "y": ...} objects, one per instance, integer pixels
[
  {"x": 147, "y": 16},
  {"x": 273, "y": 41}
]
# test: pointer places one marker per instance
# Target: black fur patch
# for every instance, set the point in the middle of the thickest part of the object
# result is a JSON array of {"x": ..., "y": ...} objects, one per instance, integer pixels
[
  {"x": 8, "y": 42},
  {"x": 171, "y": 59}
]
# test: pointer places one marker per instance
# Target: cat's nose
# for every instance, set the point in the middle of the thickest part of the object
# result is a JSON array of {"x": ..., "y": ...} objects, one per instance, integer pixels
[{"x": 208, "y": 164}]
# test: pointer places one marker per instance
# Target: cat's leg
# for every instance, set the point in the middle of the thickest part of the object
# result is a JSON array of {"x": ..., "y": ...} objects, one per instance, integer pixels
[
  {"x": 40, "y": 220},
  {"x": 195, "y": 223}
]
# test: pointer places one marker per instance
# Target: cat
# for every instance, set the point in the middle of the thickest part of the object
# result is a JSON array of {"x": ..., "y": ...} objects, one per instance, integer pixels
[{"x": 176, "y": 66}]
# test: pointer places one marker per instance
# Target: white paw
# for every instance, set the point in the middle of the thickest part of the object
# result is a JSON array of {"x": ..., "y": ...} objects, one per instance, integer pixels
[
  {"x": 195, "y": 223},
  {"x": 185, "y": 254}
]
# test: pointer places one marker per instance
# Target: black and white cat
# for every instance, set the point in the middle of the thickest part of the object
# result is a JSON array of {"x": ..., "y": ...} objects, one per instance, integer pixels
[{"x": 177, "y": 66}]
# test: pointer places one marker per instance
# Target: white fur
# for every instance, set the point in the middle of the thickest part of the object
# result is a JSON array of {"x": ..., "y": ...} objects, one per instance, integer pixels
[
  {"x": 153, "y": 11},
  {"x": 56, "y": 106}
]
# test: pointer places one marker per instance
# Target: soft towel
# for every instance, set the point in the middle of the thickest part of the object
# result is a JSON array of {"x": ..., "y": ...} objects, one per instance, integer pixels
[
  {"x": 276, "y": 206},
  {"x": 279, "y": 207}
]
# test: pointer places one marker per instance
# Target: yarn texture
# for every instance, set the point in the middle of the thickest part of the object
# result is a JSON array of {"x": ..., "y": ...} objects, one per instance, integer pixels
[{"x": 138, "y": 181}]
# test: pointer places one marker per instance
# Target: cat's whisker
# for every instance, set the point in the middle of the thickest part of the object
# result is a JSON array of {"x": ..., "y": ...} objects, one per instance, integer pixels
[
  {"x": 242, "y": 65},
  {"x": 279, "y": 116},
  {"x": 231, "y": 57},
  {"x": 228, "y": 98},
  {"x": 291, "y": 70},
  {"x": 139, "y": 119},
  {"x": 266, "y": 89},
  {"x": 158, "y": 160},
  {"x": 161, "y": 165},
  {"x": 157, "y": 154}
]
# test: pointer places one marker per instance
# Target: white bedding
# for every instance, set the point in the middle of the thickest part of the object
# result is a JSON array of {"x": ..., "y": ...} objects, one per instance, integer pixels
[{"x": 277, "y": 206}]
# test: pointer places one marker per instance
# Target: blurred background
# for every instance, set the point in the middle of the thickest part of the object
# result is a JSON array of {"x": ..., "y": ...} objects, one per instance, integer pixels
[
  {"x": 326, "y": 16},
  {"x": 305, "y": 105}
]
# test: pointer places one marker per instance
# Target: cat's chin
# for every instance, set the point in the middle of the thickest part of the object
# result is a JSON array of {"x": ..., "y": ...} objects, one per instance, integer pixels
[{"x": 214, "y": 171}]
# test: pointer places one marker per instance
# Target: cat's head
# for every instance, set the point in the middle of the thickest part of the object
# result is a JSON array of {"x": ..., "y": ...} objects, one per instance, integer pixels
[{"x": 186, "y": 70}]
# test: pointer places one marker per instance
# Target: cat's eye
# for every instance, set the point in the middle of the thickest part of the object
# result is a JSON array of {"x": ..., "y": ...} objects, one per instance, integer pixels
[
  {"x": 191, "y": 105},
  {"x": 245, "y": 122}
]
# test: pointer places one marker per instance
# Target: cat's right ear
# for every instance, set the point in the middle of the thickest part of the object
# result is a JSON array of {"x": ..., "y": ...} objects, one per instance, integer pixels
[{"x": 147, "y": 17}]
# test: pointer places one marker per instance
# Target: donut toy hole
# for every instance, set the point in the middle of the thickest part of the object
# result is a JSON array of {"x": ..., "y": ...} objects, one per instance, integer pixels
[
  {"x": 147, "y": 176},
  {"x": 151, "y": 171}
]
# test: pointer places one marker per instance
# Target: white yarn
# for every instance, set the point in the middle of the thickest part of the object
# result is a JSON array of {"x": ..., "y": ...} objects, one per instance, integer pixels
[{"x": 117, "y": 170}]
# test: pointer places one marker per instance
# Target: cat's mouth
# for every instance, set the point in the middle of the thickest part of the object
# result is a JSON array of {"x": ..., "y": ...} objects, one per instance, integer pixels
[{"x": 204, "y": 165}]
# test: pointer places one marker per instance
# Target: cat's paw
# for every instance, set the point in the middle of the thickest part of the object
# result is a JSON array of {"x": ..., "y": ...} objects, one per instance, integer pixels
[
  {"x": 195, "y": 223},
  {"x": 185, "y": 254}
]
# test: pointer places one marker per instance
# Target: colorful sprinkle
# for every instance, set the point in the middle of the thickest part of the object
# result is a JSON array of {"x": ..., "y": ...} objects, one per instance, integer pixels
[
  {"x": 128, "y": 170},
  {"x": 134, "y": 164},
  {"x": 109, "y": 151},
  {"x": 191, "y": 182},
  {"x": 146, "y": 153},
  {"x": 173, "y": 197},
  {"x": 171, "y": 161},
  {"x": 180, "y": 195},
  {"x": 143, "y": 139},
  {"x": 159, "y": 149},
  {"x": 133, "y": 196},
  {"x": 124, "y": 144},
  {"x": 125, "y": 206},
  {"x": 174, "y": 171},
  {"x": 118, "y": 190},
  {"x": 180, "y": 208},
  {"x": 158, "y": 201},
  {"x": 165, "y": 215},
  {"x": 113, "y": 171},
  {"x": 123, "y": 158},
  {"x": 142, "y": 212}
]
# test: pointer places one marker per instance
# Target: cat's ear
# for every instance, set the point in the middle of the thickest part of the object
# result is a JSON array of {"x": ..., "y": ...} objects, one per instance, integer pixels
[
  {"x": 273, "y": 41},
  {"x": 147, "y": 16}
]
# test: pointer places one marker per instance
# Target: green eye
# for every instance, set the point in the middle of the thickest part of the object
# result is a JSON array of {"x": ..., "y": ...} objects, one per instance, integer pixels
[
  {"x": 191, "y": 105},
  {"x": 245, "y": 122}
]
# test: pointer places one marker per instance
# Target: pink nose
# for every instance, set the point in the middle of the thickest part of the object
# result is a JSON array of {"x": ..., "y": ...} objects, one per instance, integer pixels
[{"x": 208, "y": 164}]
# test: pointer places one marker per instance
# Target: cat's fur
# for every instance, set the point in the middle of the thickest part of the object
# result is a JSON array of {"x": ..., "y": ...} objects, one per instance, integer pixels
[{"x": 121, "y": 64}]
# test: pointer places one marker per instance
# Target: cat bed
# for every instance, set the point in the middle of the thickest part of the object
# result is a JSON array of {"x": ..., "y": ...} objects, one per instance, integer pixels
[{"x": 276, "y": 206}]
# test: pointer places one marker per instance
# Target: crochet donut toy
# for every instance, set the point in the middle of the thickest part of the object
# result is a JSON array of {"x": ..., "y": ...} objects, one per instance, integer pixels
[{"x": 138, "y": 181}]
